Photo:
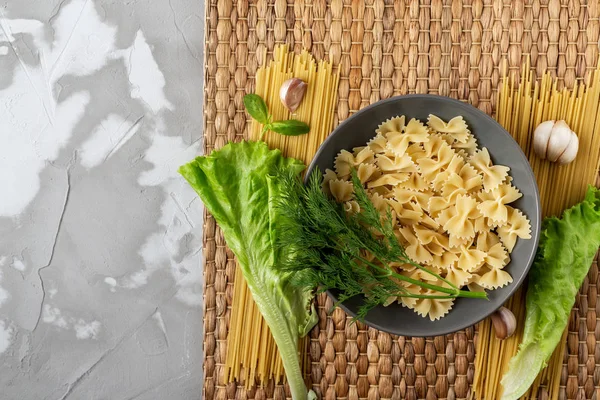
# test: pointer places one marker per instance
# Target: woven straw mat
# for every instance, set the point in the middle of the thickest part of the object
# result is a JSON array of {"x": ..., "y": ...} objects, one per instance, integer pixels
[{"x": 386, "y": 48}]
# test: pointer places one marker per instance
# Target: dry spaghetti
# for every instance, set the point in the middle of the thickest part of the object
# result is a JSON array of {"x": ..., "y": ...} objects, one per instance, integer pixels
[
  {"x": 252, "y": 355},
  {"x": 521, "y": 107}
]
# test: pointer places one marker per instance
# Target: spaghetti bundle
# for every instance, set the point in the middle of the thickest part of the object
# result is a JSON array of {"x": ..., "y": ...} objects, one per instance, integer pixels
[
  {"x": 521, "y": 107},
  {"x": 252, "y": 355}
]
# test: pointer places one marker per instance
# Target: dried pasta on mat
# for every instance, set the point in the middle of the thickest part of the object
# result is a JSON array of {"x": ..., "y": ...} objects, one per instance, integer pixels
[
  {"x": 256, "y": 364},
  {"x": 521, "y": 106}
]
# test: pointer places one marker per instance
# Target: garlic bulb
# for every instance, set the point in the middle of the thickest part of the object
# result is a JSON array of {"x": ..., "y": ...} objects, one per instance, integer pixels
[
  {"x": 291, "y": 93},
  {"x": 555, "y": 141}
]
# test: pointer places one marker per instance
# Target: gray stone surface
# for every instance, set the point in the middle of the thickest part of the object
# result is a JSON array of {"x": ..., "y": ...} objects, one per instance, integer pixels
[{"x": 100, "y": 239}]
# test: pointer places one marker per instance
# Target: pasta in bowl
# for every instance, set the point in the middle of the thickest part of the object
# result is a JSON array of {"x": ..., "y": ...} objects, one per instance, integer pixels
[{"x": 462, "y": 197}]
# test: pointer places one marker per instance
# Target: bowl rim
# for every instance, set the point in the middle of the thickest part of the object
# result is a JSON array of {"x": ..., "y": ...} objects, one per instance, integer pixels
[{"x": 535, "y": 231}]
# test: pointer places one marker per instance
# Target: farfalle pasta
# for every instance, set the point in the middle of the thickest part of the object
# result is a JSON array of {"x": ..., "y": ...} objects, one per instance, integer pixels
[{"x": 452, "y": 208}]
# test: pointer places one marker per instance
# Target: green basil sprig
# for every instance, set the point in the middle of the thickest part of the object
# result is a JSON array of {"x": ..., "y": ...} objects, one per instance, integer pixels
[{"x": 257, "y": 108}]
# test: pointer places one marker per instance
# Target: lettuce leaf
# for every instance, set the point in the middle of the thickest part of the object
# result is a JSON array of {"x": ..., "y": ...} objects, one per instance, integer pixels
[
  {"x": 566, "y": 251},
  {"x": 238, "y": 187}
]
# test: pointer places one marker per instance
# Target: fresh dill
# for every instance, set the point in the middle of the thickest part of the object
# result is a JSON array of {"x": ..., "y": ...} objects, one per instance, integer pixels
[{"x": 349, "y": 253}]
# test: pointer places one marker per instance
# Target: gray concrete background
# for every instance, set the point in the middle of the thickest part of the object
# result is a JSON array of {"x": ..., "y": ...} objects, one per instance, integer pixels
[{"x": 100, "y": 239}]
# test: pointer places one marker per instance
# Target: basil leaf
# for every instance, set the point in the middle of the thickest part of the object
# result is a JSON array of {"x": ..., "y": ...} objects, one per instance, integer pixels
[
  {"x": 291, "y": 127},
  {"x": 256, "y": 107}
]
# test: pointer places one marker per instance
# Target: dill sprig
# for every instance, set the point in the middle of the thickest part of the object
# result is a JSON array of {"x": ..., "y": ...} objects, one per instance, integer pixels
[{"x": 349, "y": 253}]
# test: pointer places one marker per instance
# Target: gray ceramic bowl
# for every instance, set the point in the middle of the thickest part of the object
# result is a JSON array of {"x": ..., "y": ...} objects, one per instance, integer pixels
[{"x": 360, "y": 127}]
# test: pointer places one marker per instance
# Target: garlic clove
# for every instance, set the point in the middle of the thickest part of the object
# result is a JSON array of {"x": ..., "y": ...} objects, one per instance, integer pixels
[
  {"x": 560, "y": 136},
  {"x": 555, "y": 141},
  {"x": 541, "y": 135},
  {"x": 504, "y": 322},
  {"x": 571, "y": 151},
  {"x": 291, "y": 93}
]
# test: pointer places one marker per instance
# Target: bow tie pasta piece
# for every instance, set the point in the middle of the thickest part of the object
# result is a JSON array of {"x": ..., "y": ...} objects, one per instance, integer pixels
[
  {"x": 381, "y": 205},
  {"x": 492, "y": 278},
  {"x": 416, "y": 151},
  {"x": 470, "y": 258},
  {"x": 351, "y": 207},
  {"x": 429, "y": 222},
  {"x": 378, "y": 144},
  {"x": 456, "y": 242},
  {"x": 435, "y": 249},
  {"x": 431, "y": 166},
  {"x": 343, "y": 164},
  {"x": 384, "y": 191},
  {"x": 483, "y": 224},
  {"x": 415, "y": 182},
  {"x": 393, "y": 179},
  {"x": 405, "y": 195},
  {"x": 398, "y": 143},
  {"x": 445, "y": 137},
  {"x": 367, "y": 172},
  {"x": 409, "y": 302},
  {"x": 395, "y": 164},
  {"x": 493, "y": 175},
  {"x": 407, "y": 213},
  {"x": 379, "y": 202},
  {"x": 457, "y": 276},
  {"x": 395, "y": 124},
  {"x": 454, "y": 167},
  {"x": 493, "y": 203},
  {"x": 345, "y": 161},
  {"x": 400, "y": 267},
  {"x": 466, "y": 181},
  {"x": 417, "y": 131},
  {"x": 486, "y": 240},
  {"x": 410, "y": 213},
  {"x": 444, "y": 215},
  {"x": 341, "y": 190},
  {"x": 328, "y": 176},
  {"x": 421, "y": 275},
  {"x": 363, "y": 155},
  {"x": 414, "y": 132},
  {"x": 496, "y": 256},
  {"x": 455, "y": 128},
  {"x": 436, "y": 242},
  {"x": 475, "y": 287},
  {"x": 445, "y": 260},
  {"x": 437, "y": 204},
  {"x": 432, "y": 147},
  {"x": 453, "y": 187},
  {"x": 461, "y": 222},
  {"x": 415, "y": 250},
  {"x": 390, "y": 300},
  {"x": 466, "y": 149},
  {"x": 433, "y": 308},
  {"x": 472, "y": 181},
  {"x": 517, "y": 226}
]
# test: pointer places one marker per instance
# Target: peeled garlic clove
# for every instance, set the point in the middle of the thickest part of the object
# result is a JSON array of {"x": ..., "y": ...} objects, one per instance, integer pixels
[
  {"x": 541, "y": 135},
  {"x": 291, "y": 93},
  {"x": 560, "y": 136},
  {"x": 571, "y": 151},
  {"x": 504, "y": 322}
]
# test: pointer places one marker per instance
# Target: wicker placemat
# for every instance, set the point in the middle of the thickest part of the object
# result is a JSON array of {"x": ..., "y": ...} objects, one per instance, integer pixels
[{"x": 386, "y": 48}]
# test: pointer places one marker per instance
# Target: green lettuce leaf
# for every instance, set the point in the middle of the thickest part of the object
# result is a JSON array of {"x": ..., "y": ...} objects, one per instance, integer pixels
[
  {"x": 238, "y": 186},
  {"x": 566, "y": 251}
]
